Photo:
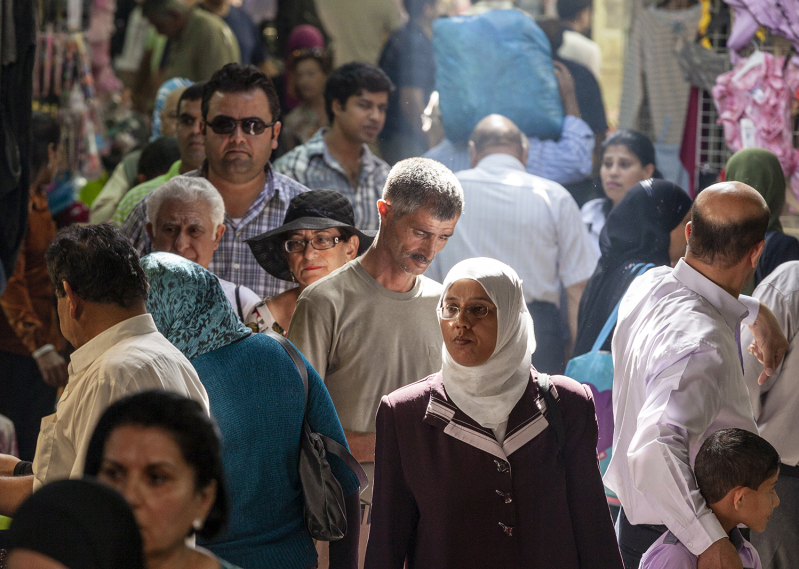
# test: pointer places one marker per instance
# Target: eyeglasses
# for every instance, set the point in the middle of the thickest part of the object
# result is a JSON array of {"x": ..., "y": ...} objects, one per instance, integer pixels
[
  {"x": 319, "y": 243},
  {"x": 451, "y": 311},
  {"x": 250, "y": 125}
]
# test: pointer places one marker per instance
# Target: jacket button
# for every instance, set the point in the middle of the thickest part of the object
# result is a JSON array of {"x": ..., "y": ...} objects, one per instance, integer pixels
[
  {"x": 507, "y": 529},
  {"x": 501, "y": 466},
  {"x": 506, "y": 497}
]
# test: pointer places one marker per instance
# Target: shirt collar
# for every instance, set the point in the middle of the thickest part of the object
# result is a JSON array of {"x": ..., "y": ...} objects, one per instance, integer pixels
[
  {"x": 730, "y": 308},
  {"x": 501, "y": 161},
  {"x": 97, "y": 346},
  {"x": 525, "y": 422},
  {"x": 316, "y": 146}
]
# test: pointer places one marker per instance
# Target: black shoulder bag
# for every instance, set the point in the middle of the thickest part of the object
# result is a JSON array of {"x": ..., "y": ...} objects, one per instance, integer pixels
[{"x": 323, "y": 498}]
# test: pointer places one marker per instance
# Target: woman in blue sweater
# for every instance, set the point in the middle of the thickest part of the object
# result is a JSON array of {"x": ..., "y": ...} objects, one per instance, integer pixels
[{"x": 257, "y": 398}]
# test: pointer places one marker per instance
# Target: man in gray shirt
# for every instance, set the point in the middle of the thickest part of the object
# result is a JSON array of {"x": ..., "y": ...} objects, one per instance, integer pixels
[{"x": 371, "y": 326}]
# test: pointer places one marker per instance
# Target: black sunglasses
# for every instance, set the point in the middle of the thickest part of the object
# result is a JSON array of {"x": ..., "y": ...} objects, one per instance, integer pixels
[{"x": 250, "y": 125}]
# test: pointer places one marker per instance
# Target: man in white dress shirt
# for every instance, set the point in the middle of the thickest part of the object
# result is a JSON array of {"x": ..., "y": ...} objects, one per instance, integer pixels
[
  {"x": 527, "y": 222},
  {"x": 776, "y": 409},
  {"x": 678, "y": 374},
  {"x": 101, "y": 292}
]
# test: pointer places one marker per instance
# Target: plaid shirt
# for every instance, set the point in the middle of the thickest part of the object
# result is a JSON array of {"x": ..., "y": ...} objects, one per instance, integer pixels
[
  {"x": 233, "y": 260},
  {"x": 312, "y": 165}
]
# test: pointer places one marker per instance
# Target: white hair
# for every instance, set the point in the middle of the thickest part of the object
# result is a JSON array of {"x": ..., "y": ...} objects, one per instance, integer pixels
[{"x": 188, "y": 189}]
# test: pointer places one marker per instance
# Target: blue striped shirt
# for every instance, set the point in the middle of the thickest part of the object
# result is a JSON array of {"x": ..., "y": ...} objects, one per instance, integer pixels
[{"x": 563, "y": 161}]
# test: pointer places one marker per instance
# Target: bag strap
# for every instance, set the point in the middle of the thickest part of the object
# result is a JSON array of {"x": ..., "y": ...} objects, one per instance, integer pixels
[
  {"x": 332, "y": 446},
  {"x": 550, "y": 398},
  {"x": 639, "y": 269},
  {"x": 238, "y": 303}
]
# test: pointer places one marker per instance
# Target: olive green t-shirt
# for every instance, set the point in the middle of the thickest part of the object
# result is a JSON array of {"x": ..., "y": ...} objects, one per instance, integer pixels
[
  {"x": 203, "y": 46},
  {"x": 365, "y": 340}
]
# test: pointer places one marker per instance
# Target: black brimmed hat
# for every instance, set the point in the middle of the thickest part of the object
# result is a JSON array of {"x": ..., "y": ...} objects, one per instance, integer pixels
[{"x": 315, "y": 210}]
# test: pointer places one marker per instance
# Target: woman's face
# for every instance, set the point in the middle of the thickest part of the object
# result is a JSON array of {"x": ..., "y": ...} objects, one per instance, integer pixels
[
  {"x": 621, "y": 170},
  {"x": 468, "y": 339},
  {"x": 309, "y": 79},
  {"x": 678, "y": 242},
  {"x": 147, "y": 467},
  {"x": 313, "y": 264}
]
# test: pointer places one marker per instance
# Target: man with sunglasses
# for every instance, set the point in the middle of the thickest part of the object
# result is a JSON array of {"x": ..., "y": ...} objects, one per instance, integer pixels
[
  {"x": 190, "y": 145},
  {"x": 338, "y": 158},
  {"x": 240, "y": 129}
]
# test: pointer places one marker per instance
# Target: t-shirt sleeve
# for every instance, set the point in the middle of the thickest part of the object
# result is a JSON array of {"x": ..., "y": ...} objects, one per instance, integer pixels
[{"x": 311, "y": 330}]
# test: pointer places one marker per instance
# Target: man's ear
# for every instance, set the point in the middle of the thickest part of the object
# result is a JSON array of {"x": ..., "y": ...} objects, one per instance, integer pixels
[
  {"x": 275, "y": 133},
  {"x": 74, "y": 302},
  {"x": 220, "y": 231},
  {"x": 383, "y": 208},
  {"x": 754, "y": 254}
]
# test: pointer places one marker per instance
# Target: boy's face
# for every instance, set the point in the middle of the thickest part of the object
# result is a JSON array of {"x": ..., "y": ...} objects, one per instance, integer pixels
[{"x": 756, "y": 506}]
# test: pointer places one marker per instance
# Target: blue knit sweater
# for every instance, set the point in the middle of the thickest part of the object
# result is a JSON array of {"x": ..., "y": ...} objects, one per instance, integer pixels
[{"x": 257, "y": 398}]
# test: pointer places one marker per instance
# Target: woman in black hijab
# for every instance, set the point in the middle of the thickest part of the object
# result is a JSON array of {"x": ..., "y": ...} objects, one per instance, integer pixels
[{"x": 648, "y": 226}]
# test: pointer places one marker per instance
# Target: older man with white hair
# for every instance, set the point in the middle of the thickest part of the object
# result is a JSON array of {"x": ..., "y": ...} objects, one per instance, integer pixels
[{"x": 187, "y": 217}]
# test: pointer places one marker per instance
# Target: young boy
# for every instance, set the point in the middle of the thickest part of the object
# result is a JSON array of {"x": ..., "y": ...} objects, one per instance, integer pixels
[{"x": 736, "y": 472}]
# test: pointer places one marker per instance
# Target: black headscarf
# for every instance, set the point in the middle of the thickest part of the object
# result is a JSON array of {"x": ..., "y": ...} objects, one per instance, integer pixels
[
  {"x": 82, "y": 524},
  {"x": 637, "y": 231}
]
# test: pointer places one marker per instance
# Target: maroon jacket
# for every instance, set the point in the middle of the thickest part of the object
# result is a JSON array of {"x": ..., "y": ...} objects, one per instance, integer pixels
[{"x": 448, "y": 496}]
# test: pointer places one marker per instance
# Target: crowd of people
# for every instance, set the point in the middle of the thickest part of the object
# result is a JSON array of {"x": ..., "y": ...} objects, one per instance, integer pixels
[{"x": 436, "y": 291}]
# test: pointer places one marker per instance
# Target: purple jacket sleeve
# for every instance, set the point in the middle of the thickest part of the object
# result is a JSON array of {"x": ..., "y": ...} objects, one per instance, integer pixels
[
  {"x": 593, "y": 528},
  {"x": 394, "y": 514},
  {"x": 344, "y": 552}
]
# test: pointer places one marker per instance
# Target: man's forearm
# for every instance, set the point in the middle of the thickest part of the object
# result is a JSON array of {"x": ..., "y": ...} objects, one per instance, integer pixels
[
  {"x": 573, "y": 295},
  {"x": 13, "y": 491}
]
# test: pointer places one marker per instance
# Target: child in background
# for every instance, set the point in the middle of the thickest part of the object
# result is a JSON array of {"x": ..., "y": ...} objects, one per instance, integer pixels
[{"x": 736, "y": 472}]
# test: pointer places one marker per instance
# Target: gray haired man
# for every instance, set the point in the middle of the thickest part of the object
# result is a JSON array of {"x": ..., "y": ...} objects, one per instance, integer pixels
[
  {"x": 371, "y": 327},
  {"x": 187, "y": 218}
]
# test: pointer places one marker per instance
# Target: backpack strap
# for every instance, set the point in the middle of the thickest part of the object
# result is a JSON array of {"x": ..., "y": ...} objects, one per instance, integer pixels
[
  {"x": 554, "y": 416},
  {"x": 332, "y": 446},
  {"x": 638, "y": 270}
]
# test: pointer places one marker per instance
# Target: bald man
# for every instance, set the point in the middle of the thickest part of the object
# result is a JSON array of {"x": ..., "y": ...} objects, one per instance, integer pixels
[
  {"x": 527, "y": 222},
  {"x": 679, "y": 377}
]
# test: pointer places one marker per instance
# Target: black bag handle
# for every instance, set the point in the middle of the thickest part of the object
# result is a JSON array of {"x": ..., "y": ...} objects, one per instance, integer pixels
[{"x": 332, "y": 446}]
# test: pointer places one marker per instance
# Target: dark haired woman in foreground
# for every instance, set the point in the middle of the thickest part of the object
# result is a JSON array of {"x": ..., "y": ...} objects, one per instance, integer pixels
[{"x": 161, "y": 451}]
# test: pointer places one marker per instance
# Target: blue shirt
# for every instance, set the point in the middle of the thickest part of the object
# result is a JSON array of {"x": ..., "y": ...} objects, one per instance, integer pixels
[
  {"x": 668, "y": 552},
  {"x": 258, "y": 400},
  {"x": 563, "y": 161}
]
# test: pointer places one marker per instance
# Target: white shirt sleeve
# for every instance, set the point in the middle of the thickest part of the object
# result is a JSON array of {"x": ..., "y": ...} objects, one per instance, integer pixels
[
  {"x": 576, "y": 255},
  {"x": 753, "y": 306},
  {"x": 680, "y": 404}
]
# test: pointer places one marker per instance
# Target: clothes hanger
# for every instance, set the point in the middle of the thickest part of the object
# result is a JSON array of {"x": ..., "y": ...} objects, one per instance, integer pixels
[{"x": 756, "y": 58}]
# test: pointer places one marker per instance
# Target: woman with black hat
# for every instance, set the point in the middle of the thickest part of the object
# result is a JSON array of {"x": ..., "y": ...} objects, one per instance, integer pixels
[{"x": 317, "y": 237}]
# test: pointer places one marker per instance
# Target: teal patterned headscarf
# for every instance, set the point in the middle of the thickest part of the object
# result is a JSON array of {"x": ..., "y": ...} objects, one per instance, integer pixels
[{"x": 189, "y": 306}]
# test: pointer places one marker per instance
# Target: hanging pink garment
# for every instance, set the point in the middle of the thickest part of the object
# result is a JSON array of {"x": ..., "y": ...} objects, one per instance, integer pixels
[
  {"x": 763, "y": 95},
  {"x": 101, "y": 28}
]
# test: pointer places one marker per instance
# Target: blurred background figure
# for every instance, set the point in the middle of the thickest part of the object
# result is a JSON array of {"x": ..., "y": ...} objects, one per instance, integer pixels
[
  {"x": 576, "y": 16},
  {"x": 310, "y": 69},
  {"x": 628, "y": 157},
  {"x": 75, "y": 524},
  {"x": 407, "y": 59},
  {"x": 760, "y": 169},
  {"x": 31, "y": 345}
]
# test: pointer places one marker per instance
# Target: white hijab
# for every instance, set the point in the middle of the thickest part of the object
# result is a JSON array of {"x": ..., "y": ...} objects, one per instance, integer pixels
[{"x": 488, "y": 392}]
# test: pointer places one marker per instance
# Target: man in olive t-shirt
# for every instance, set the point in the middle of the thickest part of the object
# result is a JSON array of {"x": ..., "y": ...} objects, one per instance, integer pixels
[
  {"x": 199, "y": 42},
  {"x": 371, "y": 327}
]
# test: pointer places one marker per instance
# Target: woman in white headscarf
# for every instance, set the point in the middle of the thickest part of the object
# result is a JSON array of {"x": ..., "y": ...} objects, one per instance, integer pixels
[{"x": 472, "y": 468}]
